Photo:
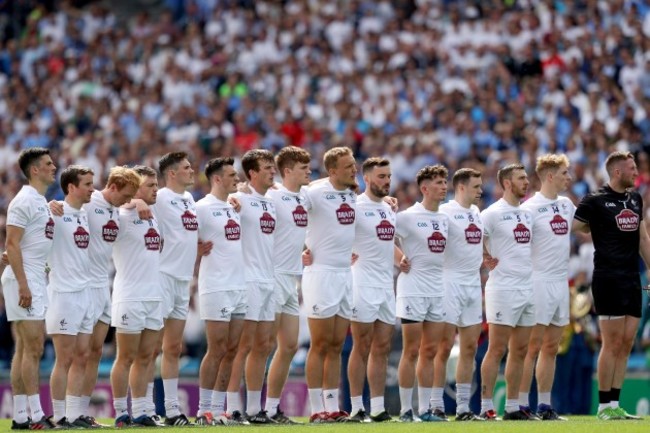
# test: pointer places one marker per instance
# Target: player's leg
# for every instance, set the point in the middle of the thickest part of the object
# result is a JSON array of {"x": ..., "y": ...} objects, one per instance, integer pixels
[
  {"x": 172, "y": 347},
  {"x": 287, "y": 327},
  {"x": 447, "y": 337},
  {"x": 217, "y": 341},
  {"x": 64, "y": 350},
  {"x": 497, "y": 345},
  {"x": 139, "y": 375},
  {"x": 545, "y": 373},
  {"x": 468, "y": 337},
  {"x": 534, "y": 348},
  {"x": 255, "y": 369},
  {"x": 76, "y": 375},
  {"x": 128, "y": 343},
  {"x": 431, "y": 334},
  {"x": 20, "y": 414},
  {"x": 95, "y": 350},
  {"x": 377, "y": 367},
  {"x": 517, "y": 349},
  {"x": 630, "y": 327},
  {"x": 235, "y": 331},
  {"x": 239, "y": 366},
  {"x": 411, "y": 339},
  {"x": 362, "y": 334},
  {"x": 32, "y": 336},
  {"x": 332, "y": 365}
]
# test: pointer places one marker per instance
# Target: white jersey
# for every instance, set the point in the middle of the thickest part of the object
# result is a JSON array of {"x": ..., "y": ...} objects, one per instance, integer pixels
[
  {"x": 221, "y": 270},
  {"x": 103, "y": 220},
  {"x": 374, "y": 243},
  {"x": 551, "y": 236},
  {"x": 464, "y": 253},
  {"x": 258, "y": 219},
  {"x": 176, "y": 215},
  {"x": 330, "y": 233},
  {"x": 136, "y": 255},
  {"x": 29, "y": 211},
  {"x": 290, "y": 229},
  {"x": 509, "y": 232},
  {"x": 423, "y": 238},
  {"x": 69, "y": 257}
]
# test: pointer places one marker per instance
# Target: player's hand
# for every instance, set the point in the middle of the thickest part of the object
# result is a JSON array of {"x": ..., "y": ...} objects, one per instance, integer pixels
[
  {"x": 144, "y": 211},
  {"x": 404, "y": 265},
  {"x": 235, "y": 203},
  {"x": 490, "y": 262},
  {"x": 24, "y": 297},
  {"x": 56, "y": 207},
  {"x": 355, "y": 257},
  {"x": 392, "y": 202},
  {"x": 307, "y": 258},
  {"x": 5, "y": 259},
  {"x": 204, "y": 248}
]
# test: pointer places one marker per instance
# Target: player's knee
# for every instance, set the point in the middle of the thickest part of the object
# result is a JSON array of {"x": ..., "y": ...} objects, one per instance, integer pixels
[
  {"x": 288, "y": 348},
  {"x": 380, "y": 348},
  {"x": 535, "y": 346},
  {"x": 173, "y": 350}
]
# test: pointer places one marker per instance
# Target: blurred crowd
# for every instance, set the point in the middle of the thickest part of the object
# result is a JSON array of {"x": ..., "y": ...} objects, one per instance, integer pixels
[{"x": 464, "y": 83}]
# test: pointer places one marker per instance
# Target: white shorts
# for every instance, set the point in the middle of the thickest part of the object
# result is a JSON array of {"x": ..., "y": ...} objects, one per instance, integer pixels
[
  {"x": 15, "y": 312},
  {"x": 176, "y": 297},
  {"x": 70, "y": 313},
  {"x": 133, "y": 317},
  {"x": 551, "y": 302},
  {"x": 327, "y": 293},
  {"x": 511, "y": 308},
  {"x": 101, "y": 304},
  {"x": 373, "y": 303},
  {"x": 286, "y": 294},
  {"x": 223, "y": 306},
  {"x": 463, "y": 304},
  {"x": 261, "y": 302},
  {"x": 420, "y": 308}
]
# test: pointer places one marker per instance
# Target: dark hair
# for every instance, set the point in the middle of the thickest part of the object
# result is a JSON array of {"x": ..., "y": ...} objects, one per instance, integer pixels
[
  {"x": 373, "y": 162},
  {"x": 431, "y": 172},
  {"x": 170, "y": 160},
  {"x": 29, "y": 157},
  {"x": 144, "y": 171},
  {"x": 506, "y": 172},
  {"x": 72, "y": 175},
  {"x": 463, "y": 175},
  {"x": 289, "y": 156},
  {"x": 251, "y": 160},
  {"x": 216, "y": 165}
]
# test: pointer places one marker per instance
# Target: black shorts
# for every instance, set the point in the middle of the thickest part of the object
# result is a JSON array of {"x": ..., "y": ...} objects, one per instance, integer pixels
[{"x": 617, "y": 294}]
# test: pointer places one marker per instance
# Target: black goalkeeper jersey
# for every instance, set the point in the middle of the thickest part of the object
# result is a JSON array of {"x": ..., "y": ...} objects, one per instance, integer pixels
[{"x": 614, "y": 219}]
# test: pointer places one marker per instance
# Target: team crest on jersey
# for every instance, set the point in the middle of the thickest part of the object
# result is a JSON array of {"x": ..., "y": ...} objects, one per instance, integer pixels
[
  {"x": 300, "y": 216},
  {"x": 81, "y": 238},
  {"x": 189, "y": 221},
  {"x": 437, "y": 242},
  {"x": 267, "y": 223},
  {"x": 473, "y": 234},
  {"x": 152, "y": 240},
  {"x": 345, "y": 214},
  {"x": 522, "y": 234},
  {"x": 627, "y": 221},
  {"x": 49, "y": 229},
  {"x": 232, "y": 230},
  {"x": 110, "y": 231},
  {"x": 385, "y": 231},
  {"x": 559, "y": 225}
]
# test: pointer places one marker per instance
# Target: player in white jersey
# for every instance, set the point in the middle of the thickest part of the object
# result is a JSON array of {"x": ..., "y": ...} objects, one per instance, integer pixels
[
  {"x": 30, "y": 229},
  {"x": 137, "y": 312},
  {"x": 422, "y": 231},
  {"x": 509, "y": 303},
  {"x": 327, "y": 282},
  {"x": 551, "y": 245},
  {"x": 222, "y": 287},
  {"x": 373, "y": 299},
  {"x": 463, "y": 295},
  {"x": 258, "y": 219},
  {"x": 291, "y": 207},
  {"x": 69, "y": 318},
  {"x": 103, "y": 221}
]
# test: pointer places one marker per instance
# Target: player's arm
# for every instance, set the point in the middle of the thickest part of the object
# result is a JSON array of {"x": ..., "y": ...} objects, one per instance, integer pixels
[
  {"x": 644, "y": 244},
  {"x": 4, "y": 262},
  {"x": 15, "y": 256},
  {"x": 488, "y": 261},
  {"x": 144, "y": 211},
  {"x": 401, "y": 261},
  {"x": 580, "y": 226}
]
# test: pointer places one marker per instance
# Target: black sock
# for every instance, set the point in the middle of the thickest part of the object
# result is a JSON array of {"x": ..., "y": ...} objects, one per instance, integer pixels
[
  {"x": 615, "y": 394},
  {"x": 604, "y": 397}
]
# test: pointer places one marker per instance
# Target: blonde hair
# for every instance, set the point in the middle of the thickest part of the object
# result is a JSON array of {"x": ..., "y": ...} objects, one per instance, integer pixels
[
  {"x": 614, "y": 158},
  {"x": 550, "y": 162},
  {"x": 333, "y": 155}
]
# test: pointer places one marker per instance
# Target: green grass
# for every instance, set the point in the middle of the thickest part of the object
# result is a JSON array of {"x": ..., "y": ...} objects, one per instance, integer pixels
[{"x": 576, "y": 424}]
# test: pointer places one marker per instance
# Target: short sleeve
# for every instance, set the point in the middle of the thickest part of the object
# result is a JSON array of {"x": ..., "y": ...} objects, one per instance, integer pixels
[
  {"x": 584, "y": 210},
  {"x": 18, "y": 214},
  {"x": 400, "y": 221},
  {"x": 487, "y": 222}
]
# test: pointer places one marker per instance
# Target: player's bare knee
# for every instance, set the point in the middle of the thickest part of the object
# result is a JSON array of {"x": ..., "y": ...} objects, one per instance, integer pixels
[{"x": 173, "y": 350}]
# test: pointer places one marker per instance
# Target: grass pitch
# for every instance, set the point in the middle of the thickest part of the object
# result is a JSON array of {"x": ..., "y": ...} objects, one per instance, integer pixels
[{"x": 576, "y": 424}]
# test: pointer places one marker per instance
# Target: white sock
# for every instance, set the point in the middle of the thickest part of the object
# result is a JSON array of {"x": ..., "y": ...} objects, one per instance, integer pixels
[
  {"x": 544, "y": 398},
  {"x": 58, "y": 409},
  {"x": 512, "y": 405},
  {"x": 523, "y": 399},
  {"x": 357, "y": 404},
  {"x": 234, "y": 402},
  {"x": 171, "y": 397},
  {"x": 218, "y": 405},
  {"x": 424, "y": 395},
  {"x": 151, "y": 406},
  {"x": 377, "y": 405},
  {"x": 316, "y": 400},
  {"x": 405, "y": 400},
  {"x": 437, "y": 401},
  {"x": 486, "y": 404},
  {"x": 602, "y": 406},
  {"x": 205, "y": 401},
  {"x": 85, "y": 404},
  {"x": 253, "y": 402},
  {"x": 121, "y": 407},
  {"x": 463, "y": 391},
  {"x": 73, "y": 407},
  {"x": 272, "y": 404},
  {"x": 139, "y": 407},
  {"x": 614, "y": 404},
  {"x": 331, "y": 400},
  {"x": 35, "y": 407},
  {"x": 20, "y": 408}
]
